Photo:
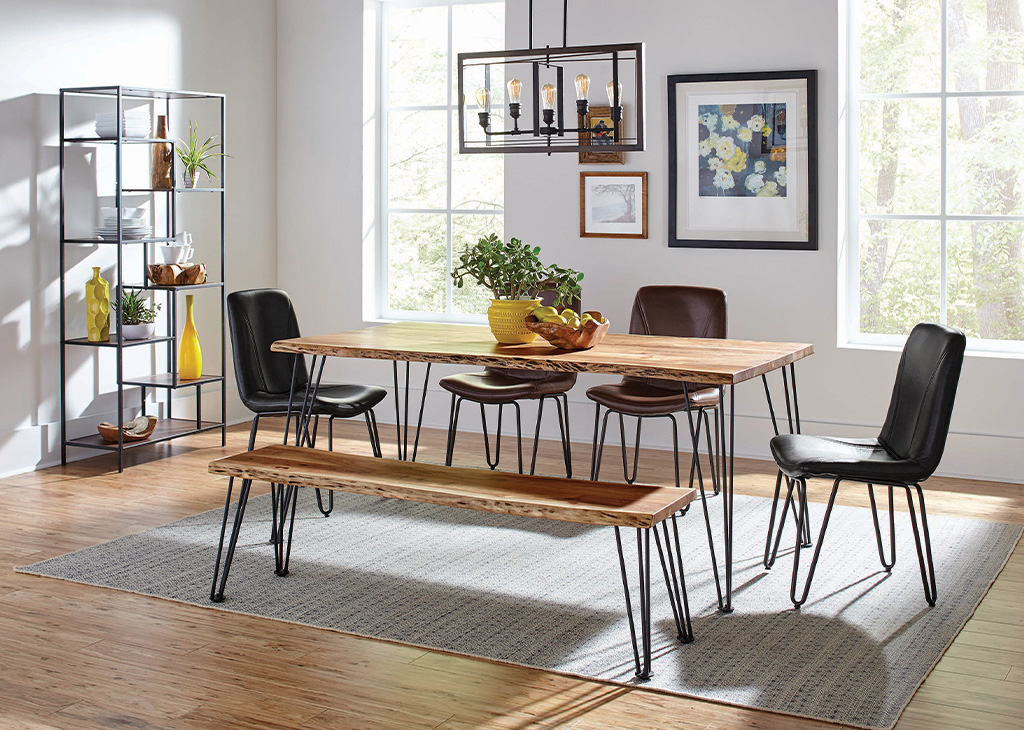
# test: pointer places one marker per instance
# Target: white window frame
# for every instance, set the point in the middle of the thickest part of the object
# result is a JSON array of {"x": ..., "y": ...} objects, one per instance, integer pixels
[
  {"x": 383, "y": 109},
  {"x": 850, "y": 334}
]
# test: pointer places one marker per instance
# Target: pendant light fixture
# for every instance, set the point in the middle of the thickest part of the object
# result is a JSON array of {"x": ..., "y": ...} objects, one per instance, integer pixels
[{"x": 497, "y": 130}]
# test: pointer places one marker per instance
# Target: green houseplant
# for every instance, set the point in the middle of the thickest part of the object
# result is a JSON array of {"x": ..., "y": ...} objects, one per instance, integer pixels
[
  {"x": 194, "y": 156},
  {"x": 515, "y": 276},
  {"x": 138, "y": 315}
]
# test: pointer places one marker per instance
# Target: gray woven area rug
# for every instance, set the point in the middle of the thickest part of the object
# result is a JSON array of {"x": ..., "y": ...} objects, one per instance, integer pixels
[{"x": 549, "y": 595}]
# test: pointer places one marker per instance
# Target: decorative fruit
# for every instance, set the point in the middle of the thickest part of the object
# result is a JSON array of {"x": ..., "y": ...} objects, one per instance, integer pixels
[
  {"x": 541, "y": 312},
  {"x": 568, "y": 313},
  {"x": 555, "y": 318},
  {"x": 573, "y": 322}
]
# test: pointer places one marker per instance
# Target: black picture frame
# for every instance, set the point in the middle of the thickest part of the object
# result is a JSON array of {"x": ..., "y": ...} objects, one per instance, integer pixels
[{"x": 694, "y": 207}]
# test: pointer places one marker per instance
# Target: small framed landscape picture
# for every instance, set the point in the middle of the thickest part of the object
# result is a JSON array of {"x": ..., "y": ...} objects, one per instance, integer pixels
[
  {"x": 743, "y": 160},
  {"x": 613, "y": 204},
  {"x": 599, "y": 120}
]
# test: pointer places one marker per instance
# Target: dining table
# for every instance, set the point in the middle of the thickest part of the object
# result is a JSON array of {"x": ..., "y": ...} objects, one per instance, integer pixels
[{"x": 703, "y": 362}]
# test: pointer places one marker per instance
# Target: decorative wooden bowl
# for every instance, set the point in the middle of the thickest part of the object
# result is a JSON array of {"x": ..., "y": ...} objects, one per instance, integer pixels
[
  {"x": 109, "y": 431},
  {"x": 177, "y": 274},
  {"x": 568, "y": 338}
]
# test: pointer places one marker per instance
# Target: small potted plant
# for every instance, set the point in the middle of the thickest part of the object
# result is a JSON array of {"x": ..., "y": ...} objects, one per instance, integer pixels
[
  {"x": 515, "y": 275},
  {"x": 138, "y": 316},
  {"x": 194, "y": 156}
]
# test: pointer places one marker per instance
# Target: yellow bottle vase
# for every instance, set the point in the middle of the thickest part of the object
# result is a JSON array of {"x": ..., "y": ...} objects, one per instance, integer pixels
[
  {"x": 97, "y": 303},
  {"x": 190, "y": 356}
]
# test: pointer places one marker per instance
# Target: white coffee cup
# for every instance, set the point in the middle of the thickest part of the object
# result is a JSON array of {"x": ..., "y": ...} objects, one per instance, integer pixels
[{"x": 174, "y": 253}]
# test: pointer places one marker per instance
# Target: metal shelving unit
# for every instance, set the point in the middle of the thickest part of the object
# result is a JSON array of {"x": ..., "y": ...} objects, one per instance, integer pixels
[{"x": 167, "y": 382}]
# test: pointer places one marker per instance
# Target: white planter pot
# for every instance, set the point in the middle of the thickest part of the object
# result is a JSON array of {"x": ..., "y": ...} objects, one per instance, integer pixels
[{"x": 138, "y": 331}]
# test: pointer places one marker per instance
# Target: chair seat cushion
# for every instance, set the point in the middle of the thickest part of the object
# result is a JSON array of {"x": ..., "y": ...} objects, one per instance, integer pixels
[
  {"x": 801, "y": 455},
  {"x": 637, "y": 398},
  {"x": 346, "y": 401},
  {"x": 499, "y": 387},
  {"x": 343, "y": 401}
]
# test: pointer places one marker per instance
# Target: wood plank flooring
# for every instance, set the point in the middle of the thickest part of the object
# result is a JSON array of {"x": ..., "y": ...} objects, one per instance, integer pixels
[{"x": 77, "y": 657}]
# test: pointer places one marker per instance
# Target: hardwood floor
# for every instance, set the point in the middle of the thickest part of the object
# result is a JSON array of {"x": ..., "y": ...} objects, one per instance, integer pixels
[{"x": 74, "y": 656}]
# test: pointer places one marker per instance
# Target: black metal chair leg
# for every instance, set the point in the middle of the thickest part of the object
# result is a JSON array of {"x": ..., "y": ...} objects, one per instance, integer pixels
[
  {"x": 593, "y": 453},
  {"x": 801, "y": 509},
  {"x": 769, "y": 552},
  {"x": 924, "y": 559},
  {"x": 519, "y": 434},
  {"x": 636, "y": 448},
  {"x": 252, "y": 431},
  {"x": 536, "y": 435},
  {"x": 452, "y": 429},
  {"x": 566, "y": 438},
  {"x": 595, "y": 469},
  {"x": 217, "y": 592},
  {"x": 371, "y": 429},
  {"x": 887, "y": 564},
  {"x": 497, "y": 438}
]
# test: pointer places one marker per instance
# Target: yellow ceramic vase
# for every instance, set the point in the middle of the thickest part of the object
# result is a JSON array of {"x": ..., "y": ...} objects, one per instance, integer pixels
[
  {"x": 507, "y": 318},
  {"x": 190, "y": 356},
  {"x": 97, "y": 303}
]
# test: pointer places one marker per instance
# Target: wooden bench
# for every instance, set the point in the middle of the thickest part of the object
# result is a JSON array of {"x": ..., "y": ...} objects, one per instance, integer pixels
[{"x": 551, "y": 498}]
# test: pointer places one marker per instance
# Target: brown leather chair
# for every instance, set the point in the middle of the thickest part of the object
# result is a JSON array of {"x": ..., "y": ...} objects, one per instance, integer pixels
[
  {"x": 508, "y": 386},
  {"x": 677, "y": 311}
]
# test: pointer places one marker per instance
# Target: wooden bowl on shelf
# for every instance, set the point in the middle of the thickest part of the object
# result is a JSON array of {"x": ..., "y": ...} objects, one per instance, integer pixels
[
  {"x": 177, "y": 274},
  {"x": 569, "y": 338},
  {"x": 137, "y": 433}
]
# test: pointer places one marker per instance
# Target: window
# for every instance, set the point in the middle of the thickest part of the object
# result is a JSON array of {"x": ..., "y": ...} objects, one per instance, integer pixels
[
  {"x": 432, "y": 200},
  {"x": 936, "y": 170}
]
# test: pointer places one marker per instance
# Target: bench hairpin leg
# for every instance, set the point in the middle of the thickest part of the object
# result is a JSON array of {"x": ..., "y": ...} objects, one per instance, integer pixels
[
  {"x": 217, "y": 592},
  {"x": 675, "y": 582},
  {"x": 629, "y": 603},
  {"x": 285, "y": 548}
]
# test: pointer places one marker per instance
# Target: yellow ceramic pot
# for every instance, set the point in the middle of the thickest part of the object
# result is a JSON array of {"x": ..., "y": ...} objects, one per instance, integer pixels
[
  {"x": 507, "y": 318},
  {"x": 190, "y": 356},
  {"x": 97, "y": 303}
]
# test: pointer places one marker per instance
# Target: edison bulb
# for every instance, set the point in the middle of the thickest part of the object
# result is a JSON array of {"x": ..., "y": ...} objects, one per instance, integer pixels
[
  {"x": 610, "y": 88},
  {"x": 481, "y": 98},
  {"x": 582, "y": 87},
  {"x": 547, "y": 95},
  {"x": 515, "y": 89}
]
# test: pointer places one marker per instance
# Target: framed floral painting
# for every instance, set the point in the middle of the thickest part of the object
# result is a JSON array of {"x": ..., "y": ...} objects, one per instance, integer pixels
[{"x": 743, "y": 160}]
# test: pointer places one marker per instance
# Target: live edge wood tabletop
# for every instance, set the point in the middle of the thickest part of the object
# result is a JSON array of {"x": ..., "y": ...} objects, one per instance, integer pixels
[{"x": 697, "y": 360}]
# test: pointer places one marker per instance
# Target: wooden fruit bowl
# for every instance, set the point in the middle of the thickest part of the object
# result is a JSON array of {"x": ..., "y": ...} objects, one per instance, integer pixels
[
  {"x": 109, "y": 432},
  {"x": 569, "y": 338}
]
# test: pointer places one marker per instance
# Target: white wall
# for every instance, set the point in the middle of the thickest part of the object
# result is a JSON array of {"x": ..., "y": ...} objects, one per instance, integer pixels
[
  {"x": 789, "y": 296},
  {"x": 226, "y": 46}
]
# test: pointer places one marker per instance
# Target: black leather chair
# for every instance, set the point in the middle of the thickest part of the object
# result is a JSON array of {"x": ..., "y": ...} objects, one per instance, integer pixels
[
  {"x": 905, "y": 453},
  {"x": 259, "y": 317},
  {"x": 508, "y": 386}
]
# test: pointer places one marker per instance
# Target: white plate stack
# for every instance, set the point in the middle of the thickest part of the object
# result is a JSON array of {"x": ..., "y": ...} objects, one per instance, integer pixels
[
  {"x": 133, "y": 224},
  {"x": 135, "y": 123}
]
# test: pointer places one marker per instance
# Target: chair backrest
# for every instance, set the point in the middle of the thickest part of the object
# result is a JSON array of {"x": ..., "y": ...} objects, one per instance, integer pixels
[
  {"x": 922, "y": 398},
  {"x": 257, "y": 318},
  {"x": 678, "y": 311}
]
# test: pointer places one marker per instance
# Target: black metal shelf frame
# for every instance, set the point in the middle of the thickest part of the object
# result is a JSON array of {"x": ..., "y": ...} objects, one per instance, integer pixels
[{"x": 169, "y": 427}]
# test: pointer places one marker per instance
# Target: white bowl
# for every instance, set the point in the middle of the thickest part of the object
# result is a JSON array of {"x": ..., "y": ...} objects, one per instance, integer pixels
[{"x": 138, "y": 331}]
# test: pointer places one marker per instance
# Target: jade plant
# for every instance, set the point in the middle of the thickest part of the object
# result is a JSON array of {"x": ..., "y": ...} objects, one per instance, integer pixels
[{"x": 514, "y": 270}]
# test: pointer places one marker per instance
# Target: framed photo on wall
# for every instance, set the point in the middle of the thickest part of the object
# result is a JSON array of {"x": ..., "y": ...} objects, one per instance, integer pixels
[
  {"x": 600, "y": 119},
  {"x": 613, "y": 204},
  {"x": 743, "y": 160}
]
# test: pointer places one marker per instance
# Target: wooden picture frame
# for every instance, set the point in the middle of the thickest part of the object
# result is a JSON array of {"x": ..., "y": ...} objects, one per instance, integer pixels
[
  {"x": 613, "y": 204},
  {"x": 596, "y": 115},
  {"x": 743, "y": 160}
]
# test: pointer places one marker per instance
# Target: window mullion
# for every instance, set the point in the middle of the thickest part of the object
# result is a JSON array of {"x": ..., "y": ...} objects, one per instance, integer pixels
[
  {"x": 449, "y": 292},
  {"x": 943, "y": 123}
]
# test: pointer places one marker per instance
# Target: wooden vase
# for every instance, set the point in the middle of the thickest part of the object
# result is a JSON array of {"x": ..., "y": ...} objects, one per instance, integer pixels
[{"x": 161, "y": 158}]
